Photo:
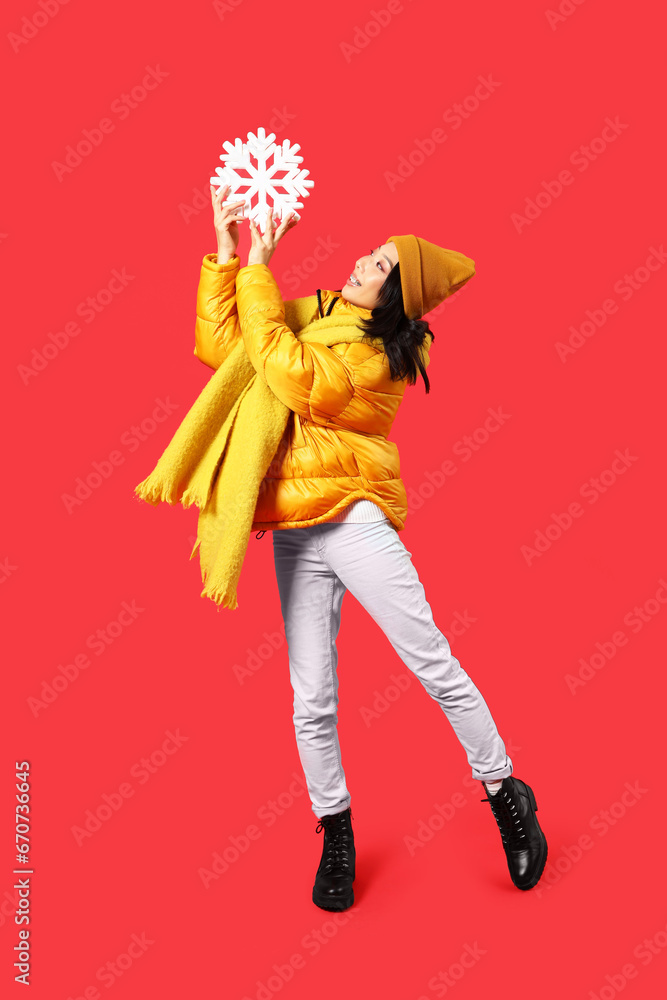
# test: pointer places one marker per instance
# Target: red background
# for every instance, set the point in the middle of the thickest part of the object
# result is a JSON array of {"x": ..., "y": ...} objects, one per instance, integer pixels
[{"x": 355, "y": 113}]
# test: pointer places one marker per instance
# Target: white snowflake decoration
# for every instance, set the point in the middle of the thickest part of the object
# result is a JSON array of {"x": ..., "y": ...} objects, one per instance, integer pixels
[{"x": 261, "y": 178}]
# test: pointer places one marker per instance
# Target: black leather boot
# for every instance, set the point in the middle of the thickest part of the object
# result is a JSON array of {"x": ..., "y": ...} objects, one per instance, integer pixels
[
  {"x": 514, "y": 809},
  {"x": 335, "y": 875}
]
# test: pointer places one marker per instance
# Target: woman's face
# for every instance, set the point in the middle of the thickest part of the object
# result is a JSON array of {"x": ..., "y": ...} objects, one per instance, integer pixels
[{"x": 371, "y": 272}]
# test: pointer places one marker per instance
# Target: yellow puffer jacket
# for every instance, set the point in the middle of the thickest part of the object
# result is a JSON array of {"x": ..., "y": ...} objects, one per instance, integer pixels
[{"x": 335, "y": 448}]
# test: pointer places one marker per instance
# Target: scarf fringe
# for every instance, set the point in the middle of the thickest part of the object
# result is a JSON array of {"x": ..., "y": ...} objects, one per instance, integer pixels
[
  {"x": 223, "y": 594},
  {"x": 222, "y": 597},
  {"x": 155, "y": 491}
]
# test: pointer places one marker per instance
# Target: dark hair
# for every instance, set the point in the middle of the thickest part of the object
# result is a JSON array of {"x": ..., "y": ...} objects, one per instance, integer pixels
[{"x": 402, "y": 337}]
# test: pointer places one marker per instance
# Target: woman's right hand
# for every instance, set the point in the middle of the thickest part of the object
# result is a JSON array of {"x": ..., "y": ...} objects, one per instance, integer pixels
[{"x": 225, "y": 219}]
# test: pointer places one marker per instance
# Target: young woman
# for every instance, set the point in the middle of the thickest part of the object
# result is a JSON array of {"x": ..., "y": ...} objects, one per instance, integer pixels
[{"x": 335, "y": 503}]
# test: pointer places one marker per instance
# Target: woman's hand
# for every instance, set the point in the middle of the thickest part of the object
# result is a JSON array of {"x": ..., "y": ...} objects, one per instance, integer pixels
[
  {"x": 263, "y": 247},
  {"x": 225, "y": 221}
]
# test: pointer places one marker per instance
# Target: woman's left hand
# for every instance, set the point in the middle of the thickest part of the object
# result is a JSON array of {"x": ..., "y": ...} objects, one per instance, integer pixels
[{"x": 263, "y": 247}]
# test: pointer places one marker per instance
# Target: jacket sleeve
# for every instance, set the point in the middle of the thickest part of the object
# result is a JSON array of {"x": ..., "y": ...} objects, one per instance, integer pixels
[
  {"x": 217, "y": 327},
  {"x": 309, "y": 378}
]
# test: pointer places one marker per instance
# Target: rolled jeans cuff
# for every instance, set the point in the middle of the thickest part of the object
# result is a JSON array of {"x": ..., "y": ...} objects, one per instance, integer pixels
[{"x": 497, "y": 775}]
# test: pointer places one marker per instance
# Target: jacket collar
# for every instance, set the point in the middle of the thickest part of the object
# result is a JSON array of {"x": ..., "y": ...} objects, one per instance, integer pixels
[
  {"x": 343, "y": 304},
  {"x": 332, "y": 301}
]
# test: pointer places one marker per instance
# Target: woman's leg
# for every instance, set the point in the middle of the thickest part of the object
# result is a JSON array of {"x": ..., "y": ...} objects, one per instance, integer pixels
[
  {"x": 311, "y": 597},
  {"x": 374, "y": 565}
]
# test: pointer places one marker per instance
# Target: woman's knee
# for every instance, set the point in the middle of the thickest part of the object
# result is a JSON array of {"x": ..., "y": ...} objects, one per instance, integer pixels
[{"x": 317, "y": 723}]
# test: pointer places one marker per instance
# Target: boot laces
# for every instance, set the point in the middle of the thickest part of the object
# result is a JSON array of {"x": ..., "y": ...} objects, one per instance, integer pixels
[
  {"x": 507, "y": 817},
  {"x": 337, "y": 836}
]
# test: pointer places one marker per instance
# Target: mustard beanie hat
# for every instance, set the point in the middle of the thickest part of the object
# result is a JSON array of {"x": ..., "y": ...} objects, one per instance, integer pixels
[{"x": 429, "y": 273}]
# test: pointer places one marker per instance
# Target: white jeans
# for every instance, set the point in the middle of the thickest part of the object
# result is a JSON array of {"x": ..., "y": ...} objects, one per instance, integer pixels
[{"x": 315, "y": 566}]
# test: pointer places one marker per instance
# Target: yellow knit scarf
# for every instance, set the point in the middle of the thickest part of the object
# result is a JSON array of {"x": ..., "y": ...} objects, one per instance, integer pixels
[{"x": 220, "y": 453}]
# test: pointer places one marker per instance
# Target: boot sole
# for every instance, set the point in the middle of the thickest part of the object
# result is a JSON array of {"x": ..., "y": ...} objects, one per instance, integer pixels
[
  {"x": 334, "y": 905},
  {"x": 545, "y": 849}
]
